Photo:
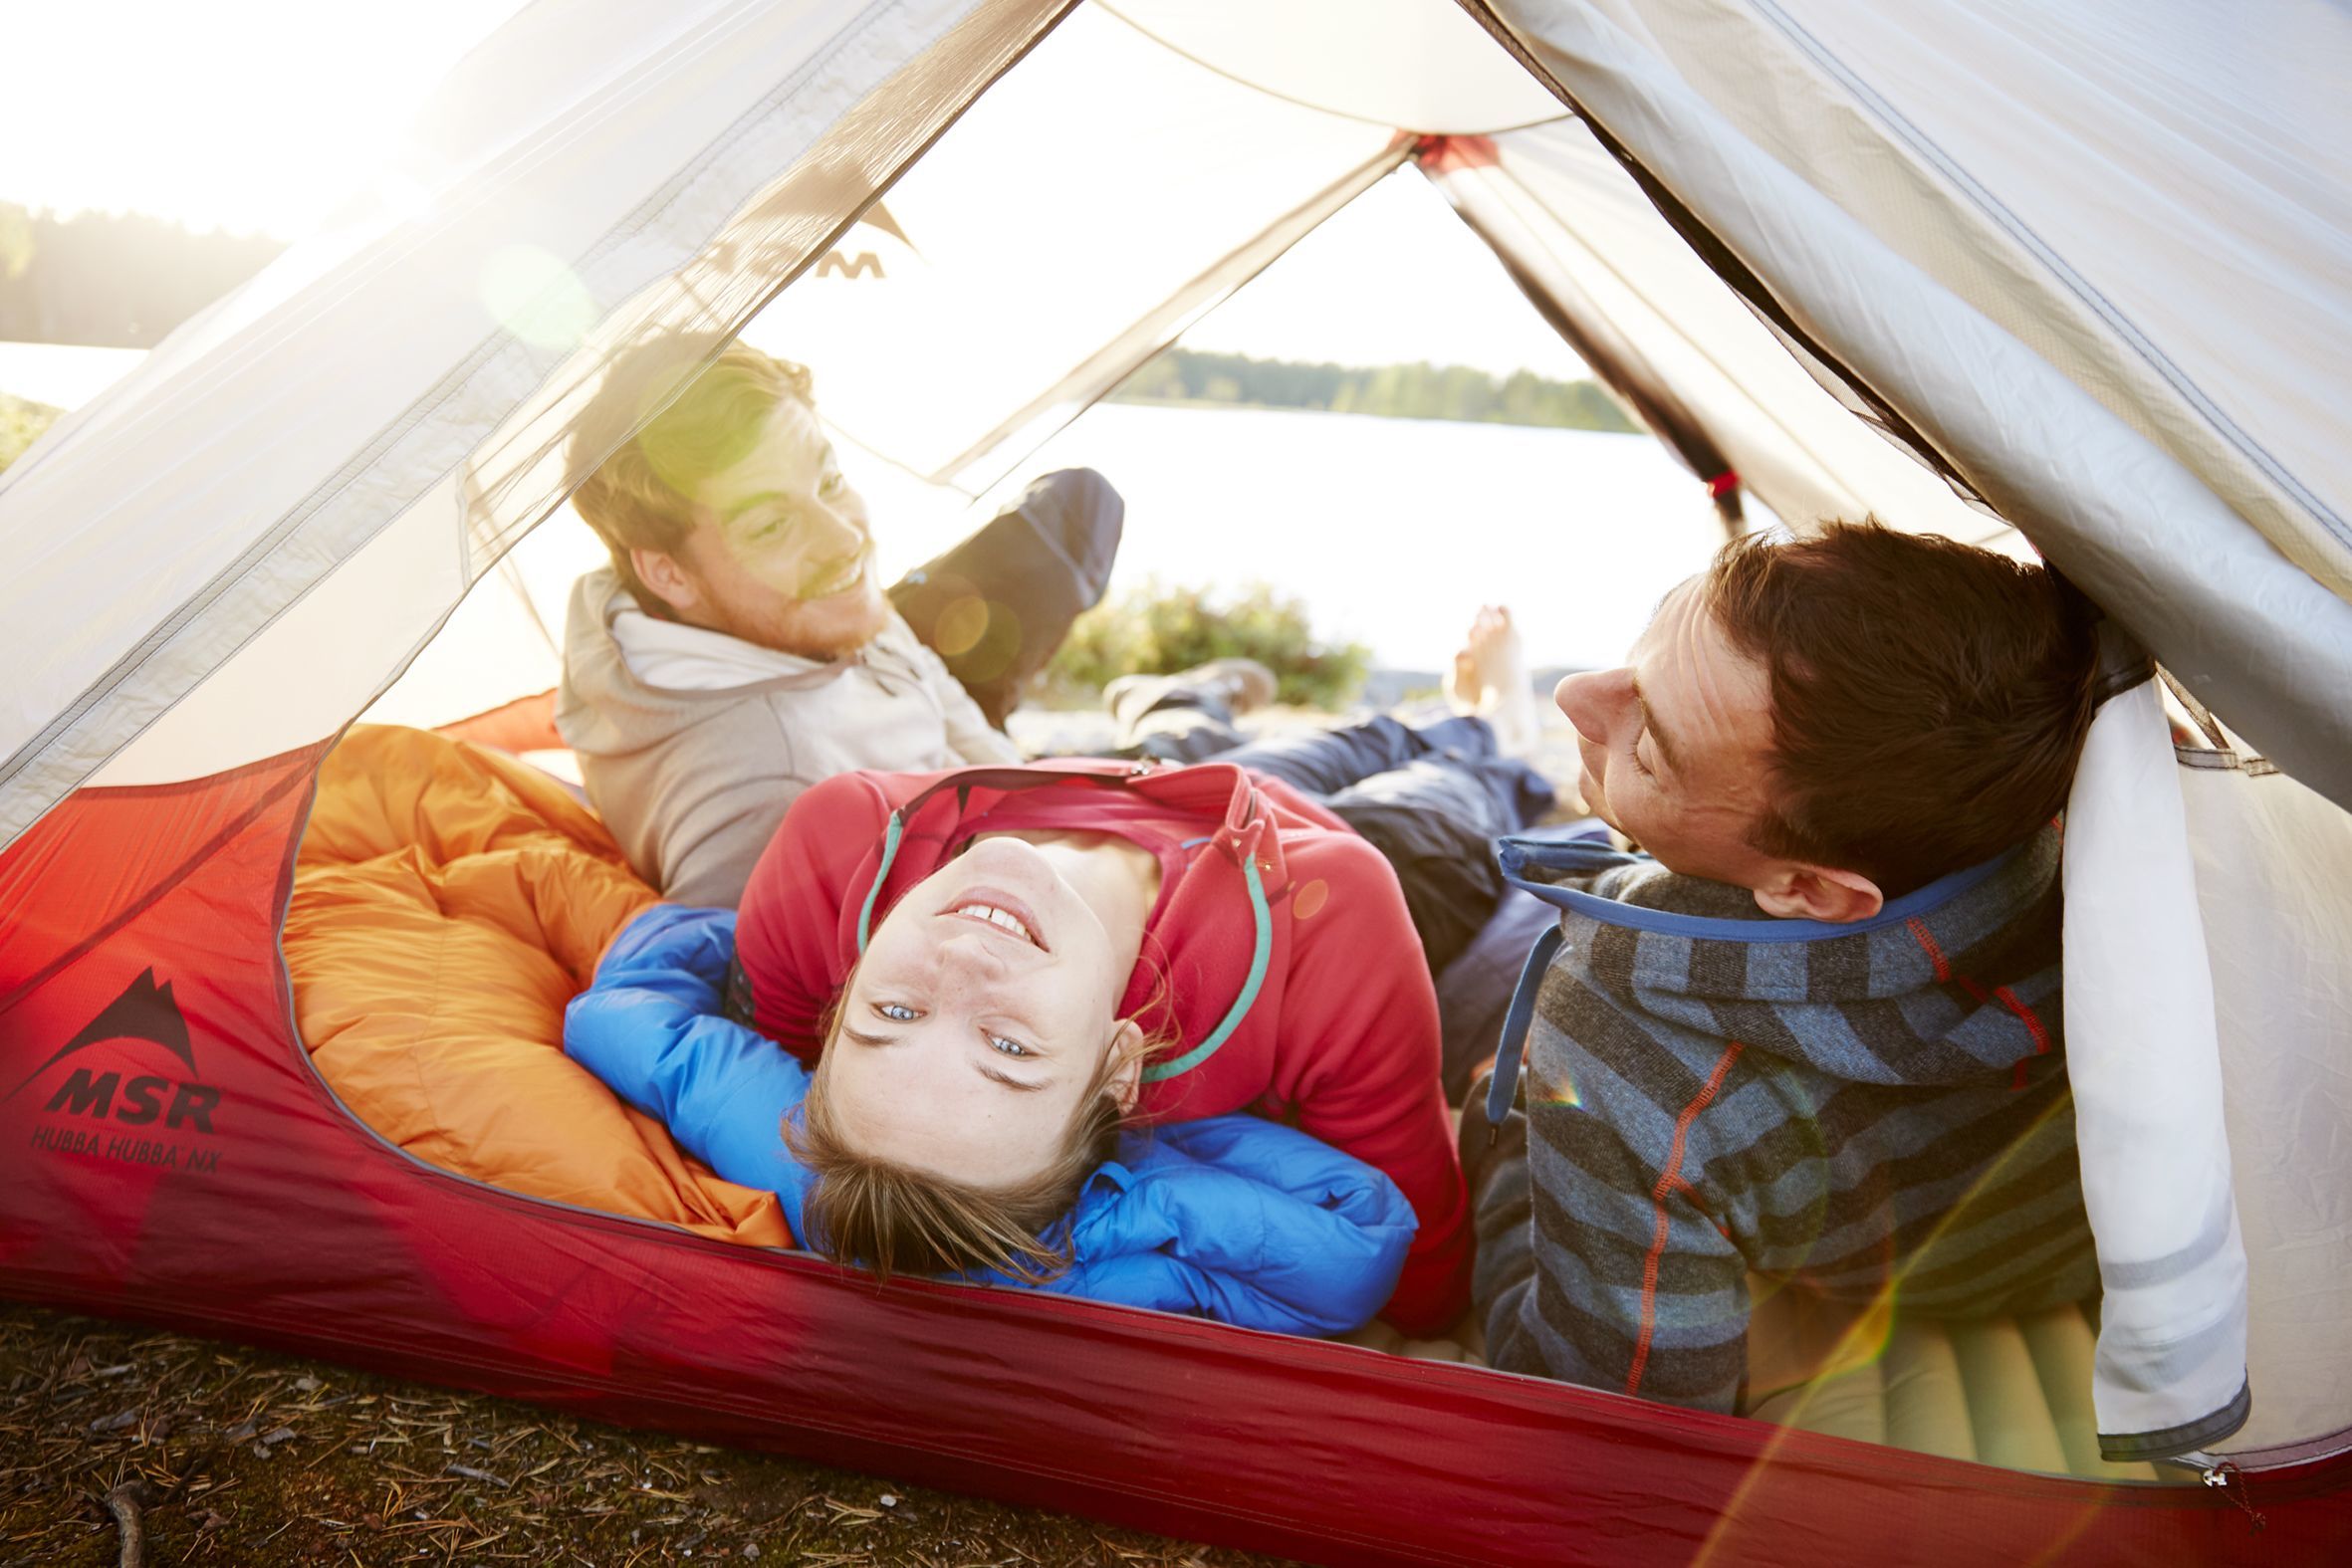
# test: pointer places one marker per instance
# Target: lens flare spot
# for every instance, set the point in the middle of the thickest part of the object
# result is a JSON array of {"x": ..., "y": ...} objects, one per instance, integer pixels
[
  {"x": 993, "y": 651},
  {"x": 961, "y": 625},
  {"x": 1560, "y": 1095},
  {"x": 1310, "y": 900},
  {"x": 534, "y": 296}
]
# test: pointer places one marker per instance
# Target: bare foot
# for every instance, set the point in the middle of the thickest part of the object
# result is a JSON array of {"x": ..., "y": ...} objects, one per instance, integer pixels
[{"x": 1489, "y": 680}]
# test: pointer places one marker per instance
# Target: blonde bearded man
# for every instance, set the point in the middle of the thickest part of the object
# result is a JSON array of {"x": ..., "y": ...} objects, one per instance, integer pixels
[{"x": 739, "y": 650}]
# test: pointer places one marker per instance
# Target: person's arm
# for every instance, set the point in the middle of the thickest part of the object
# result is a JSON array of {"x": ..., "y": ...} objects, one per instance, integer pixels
[
  {"x": 1599, "y": 1262},
  {"x": 1360, "y": 1014},
  {"x": 650, "y": 1029},
  {"x": 1243, "y": 1221},
  {"x": 709, "y": 849}
]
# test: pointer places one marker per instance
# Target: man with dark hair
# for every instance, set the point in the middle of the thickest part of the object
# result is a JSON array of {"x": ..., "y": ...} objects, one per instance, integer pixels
[
  {"x": 1814, "y": 1034},
  {"x": 739, "y": 650}
]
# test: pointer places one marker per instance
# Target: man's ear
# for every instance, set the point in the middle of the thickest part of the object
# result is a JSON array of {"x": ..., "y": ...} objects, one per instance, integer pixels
[
  {"x": 1796, "y": 891},
  {"x": 666, "y": 578},
  {"x": 1127, "y": 1049}
]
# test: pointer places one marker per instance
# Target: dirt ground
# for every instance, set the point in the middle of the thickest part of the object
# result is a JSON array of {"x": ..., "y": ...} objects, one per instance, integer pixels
[{"x": 221, "y": 1454}]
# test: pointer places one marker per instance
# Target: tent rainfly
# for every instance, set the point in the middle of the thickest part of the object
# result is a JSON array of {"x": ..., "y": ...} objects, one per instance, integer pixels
[{"x": 2077, "y": 269}]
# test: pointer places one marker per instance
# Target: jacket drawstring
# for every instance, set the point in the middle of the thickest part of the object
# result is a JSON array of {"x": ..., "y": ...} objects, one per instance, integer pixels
[
  {"x": 1260, "y": 956},
  {"x": 866, "y": 914},
  {"x": 1262, "y": 917},
  {"x": 1511, "y": 1049}
]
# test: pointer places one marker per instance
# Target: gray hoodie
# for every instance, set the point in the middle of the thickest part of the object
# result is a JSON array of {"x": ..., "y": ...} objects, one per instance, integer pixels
[{"x": 694, "y": 774}]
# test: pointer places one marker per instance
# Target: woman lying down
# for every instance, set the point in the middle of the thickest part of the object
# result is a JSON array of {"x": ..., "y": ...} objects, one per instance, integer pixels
[{"x": 1020, "y": 1006}]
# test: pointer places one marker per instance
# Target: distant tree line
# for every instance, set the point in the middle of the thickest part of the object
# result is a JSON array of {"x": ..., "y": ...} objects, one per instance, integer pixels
[
  {"x": 21, "y": 419},
  {"x": 113, "y": 279},
  {"x": 125, "y": 280},
  {"x": 1401, "y": 391}
]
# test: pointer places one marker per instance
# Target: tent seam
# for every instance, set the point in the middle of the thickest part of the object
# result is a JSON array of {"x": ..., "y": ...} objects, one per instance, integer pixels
[
  {"x": 2022, "y": 232},
  {"x": 1238, "y": 79},
  {"x": 1706, "y": 353},
  {"x": 1368, "y": 173}
]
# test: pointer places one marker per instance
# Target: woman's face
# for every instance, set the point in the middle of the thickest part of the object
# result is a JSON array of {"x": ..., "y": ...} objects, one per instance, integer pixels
[{"x": 977, "y": 1019}]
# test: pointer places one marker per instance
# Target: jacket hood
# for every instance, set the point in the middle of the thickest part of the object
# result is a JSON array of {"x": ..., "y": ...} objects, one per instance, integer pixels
[
  {"x": 604, "y": 710},
  {"x": 1955, "y": 983}
]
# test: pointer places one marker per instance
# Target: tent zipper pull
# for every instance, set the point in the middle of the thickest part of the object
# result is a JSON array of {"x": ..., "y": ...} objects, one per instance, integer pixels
[{"x": 2220, "y": 1477}]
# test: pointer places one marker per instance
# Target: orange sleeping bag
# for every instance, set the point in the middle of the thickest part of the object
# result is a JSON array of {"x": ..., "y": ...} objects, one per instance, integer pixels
[{"x": 448, "y": 901}]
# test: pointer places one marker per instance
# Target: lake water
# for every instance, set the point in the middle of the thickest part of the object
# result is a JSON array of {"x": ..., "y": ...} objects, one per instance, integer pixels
[{"x": 1393, "y": 531}]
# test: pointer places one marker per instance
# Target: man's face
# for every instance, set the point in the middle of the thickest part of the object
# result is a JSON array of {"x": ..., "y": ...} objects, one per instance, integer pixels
[
  {"x": 781, "y": 555},
  {"x": 1677, "y": 744}
]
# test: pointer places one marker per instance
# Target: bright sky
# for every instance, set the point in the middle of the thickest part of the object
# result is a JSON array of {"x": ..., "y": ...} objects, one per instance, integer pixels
[
  {"x": 261, "y": 115},
  {"x": 1393, "y": 278},
  {"x": 244, "y": 114}
]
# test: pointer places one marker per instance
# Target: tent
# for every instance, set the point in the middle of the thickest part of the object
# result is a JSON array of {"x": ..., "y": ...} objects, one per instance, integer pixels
[{"x": 2081, "y": 269}]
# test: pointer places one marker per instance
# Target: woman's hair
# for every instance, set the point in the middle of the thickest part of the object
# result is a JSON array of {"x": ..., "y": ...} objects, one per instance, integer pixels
[{"x": 893, "y": 1219}]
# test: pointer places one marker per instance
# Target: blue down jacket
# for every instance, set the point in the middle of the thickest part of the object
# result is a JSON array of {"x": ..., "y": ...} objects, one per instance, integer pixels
[{"x": 1230, "y": 1217}]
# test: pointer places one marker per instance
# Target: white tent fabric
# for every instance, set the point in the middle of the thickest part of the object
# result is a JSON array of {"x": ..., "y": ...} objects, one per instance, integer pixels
[
  {"x": 300, "y": 448},
  {"x": 1906, "y": 256},
  {"x": 1033, "y": 263},
  {"x": 2092, "y": 263},
  {"x": 2142, "y": 1054},
  {"x": 2209, "y": 1041},
  {"x": 1554, "y": 195},
  {"x": 1397, "y": 64},
  {"x": 2039, "y": 159},
  {"x": 2272, "y": 861},
  {"x": 2159, "y": 424}
]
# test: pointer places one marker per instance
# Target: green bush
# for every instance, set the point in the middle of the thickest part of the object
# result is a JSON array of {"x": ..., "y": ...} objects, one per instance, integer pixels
[
  {"x": 20, "y": 422},
  {"x": 1157, "y": 630}
]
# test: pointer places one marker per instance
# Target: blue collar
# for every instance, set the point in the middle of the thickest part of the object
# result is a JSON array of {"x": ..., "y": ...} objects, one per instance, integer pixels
[
  {"x": 1517, "y": 855},
  {"x": 1583, "y": 857}
]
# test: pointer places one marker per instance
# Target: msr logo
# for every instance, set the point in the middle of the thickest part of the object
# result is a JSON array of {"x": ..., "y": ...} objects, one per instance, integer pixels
[
  {"x": 145, "y": 1013},
  {"x": 837, "y": 263}
]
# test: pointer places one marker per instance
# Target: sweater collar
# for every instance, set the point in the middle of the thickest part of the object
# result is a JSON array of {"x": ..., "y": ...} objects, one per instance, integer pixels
[
  {"x": 1637, "y": 940},
  {"x": 1671, "y": 900}
]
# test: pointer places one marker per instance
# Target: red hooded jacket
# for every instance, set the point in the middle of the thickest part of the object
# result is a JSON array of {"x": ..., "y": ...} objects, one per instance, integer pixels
[{"x": 1299, "y": 993}]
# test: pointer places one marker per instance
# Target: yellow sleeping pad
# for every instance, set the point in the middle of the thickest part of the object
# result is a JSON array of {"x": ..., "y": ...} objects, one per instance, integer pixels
[{"x": 2013, "y": 1391}]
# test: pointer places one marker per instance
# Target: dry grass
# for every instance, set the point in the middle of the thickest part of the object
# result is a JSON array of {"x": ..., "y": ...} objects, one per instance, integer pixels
[{"x": 227, "y": 1455}]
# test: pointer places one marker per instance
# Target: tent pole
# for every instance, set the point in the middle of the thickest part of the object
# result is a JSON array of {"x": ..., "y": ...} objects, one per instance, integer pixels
[{"x": 1452, "y": 165}]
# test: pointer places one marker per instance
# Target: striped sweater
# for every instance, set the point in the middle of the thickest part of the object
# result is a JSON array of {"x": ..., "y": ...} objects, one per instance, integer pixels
[{"x": 1711, "y": 1092}]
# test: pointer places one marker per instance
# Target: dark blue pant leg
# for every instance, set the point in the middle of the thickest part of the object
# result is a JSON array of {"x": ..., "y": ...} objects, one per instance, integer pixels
[
  {"x": 1450, "y": 767},
  {"x": 1326, "y": 762},
  {"x": 1432, "y": 799}
]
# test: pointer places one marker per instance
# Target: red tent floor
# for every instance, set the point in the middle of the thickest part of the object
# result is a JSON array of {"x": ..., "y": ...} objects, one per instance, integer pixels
[{"x": 172, "y": 1157}]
